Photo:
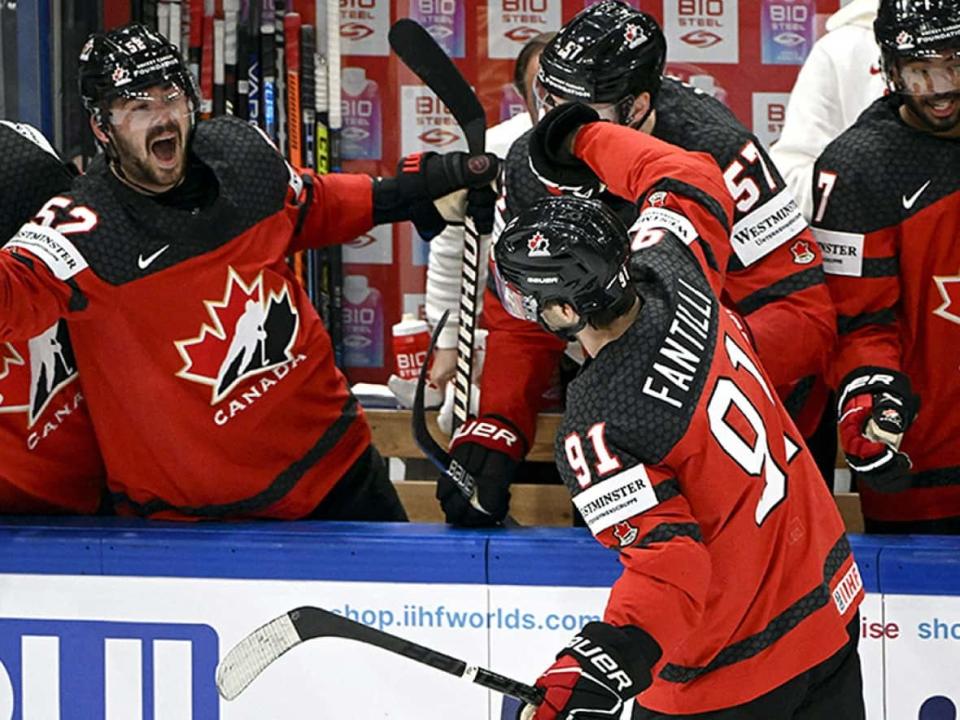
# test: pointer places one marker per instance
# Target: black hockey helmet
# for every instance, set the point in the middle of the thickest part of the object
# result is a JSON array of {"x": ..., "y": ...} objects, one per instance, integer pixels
[
  {"x": 916, "y": 29},
  {"x": 608, "y": 53},
  {"x": 127, "y": 60},
  {"x": 568, "y": 250}
]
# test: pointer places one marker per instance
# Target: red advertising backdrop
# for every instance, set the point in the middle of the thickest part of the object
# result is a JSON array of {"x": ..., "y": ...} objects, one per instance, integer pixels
[{"x": 745, "y": 52}]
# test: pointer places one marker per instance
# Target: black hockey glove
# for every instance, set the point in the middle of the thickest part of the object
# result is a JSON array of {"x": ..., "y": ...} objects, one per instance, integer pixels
[
  {"x": 875, "y": 408},
  {"x": 550, "y": 159},
  {"x": 600, "y": 669},
  {"x": 485, "y": 453},
  {"x": 431, "y": 190}
]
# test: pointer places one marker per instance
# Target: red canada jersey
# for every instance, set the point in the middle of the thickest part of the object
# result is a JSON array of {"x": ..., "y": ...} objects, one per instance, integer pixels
[
  {"x": 887, "y": 216},
  {"x": 769, "y": 266},
  {"x": 207, "y": 371},
  {"x": 681, "y": 457},
  {"x": 49, "y": 459}
]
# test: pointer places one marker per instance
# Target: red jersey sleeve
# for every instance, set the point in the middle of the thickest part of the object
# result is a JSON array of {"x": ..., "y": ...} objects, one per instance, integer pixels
[
  {"x": 671, "y": 182},
  {"x": 329, "y": 209},
  {"x": 785, "y": 295},
  {"x": 861, "y": 264},
  {"x": 666, "y": 566},
  {"x": 38, "y": 281},
  {"x": 518, "y": 367}
]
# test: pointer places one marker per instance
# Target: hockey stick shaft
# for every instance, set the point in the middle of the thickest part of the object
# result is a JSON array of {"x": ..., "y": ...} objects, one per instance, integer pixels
[
  {"x": 252, "y": 655},
  {"x": 421, "y": 53},
  {"x": 335, "y": 125}
]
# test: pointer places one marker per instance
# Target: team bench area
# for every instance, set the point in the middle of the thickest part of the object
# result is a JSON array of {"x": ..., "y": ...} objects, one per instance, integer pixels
[{"x": 530, "y": 504}]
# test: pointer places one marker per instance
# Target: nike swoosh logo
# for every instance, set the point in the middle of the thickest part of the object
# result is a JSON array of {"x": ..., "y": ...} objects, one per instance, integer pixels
[
  {"x": 909, "y": 201},
  {"x": 144, "y": 263}
]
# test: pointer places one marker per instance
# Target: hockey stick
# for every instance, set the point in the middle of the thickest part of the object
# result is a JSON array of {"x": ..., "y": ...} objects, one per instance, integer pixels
[
  {"x": 231, "y": 15},
  {"x": 441, "y": 459},
  {"x": 421, "y": 53},
  {"x": 268, "y": 68},
  {"x": 335, "y": 125},
  {"x": 252, "y": 655}
]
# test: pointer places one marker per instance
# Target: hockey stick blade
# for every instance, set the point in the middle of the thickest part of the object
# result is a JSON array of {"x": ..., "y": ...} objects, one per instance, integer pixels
[
  {"x": 421, "y": 434},
  {"x": 421, "y": 53},
  {"x": 252, "y": 655}
]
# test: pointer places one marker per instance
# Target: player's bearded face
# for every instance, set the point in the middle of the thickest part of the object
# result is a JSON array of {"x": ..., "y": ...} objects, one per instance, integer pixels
[
  {"x": 150, "y": 132},
  {"x": 931, "y": 90}
]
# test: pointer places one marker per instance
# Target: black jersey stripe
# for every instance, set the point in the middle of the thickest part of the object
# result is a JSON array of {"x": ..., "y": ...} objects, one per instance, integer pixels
[
  {"x": 797, "y": 282},
  {"x": 281, "y": 485},
  {"x": 668, "y": 531},
  {"x": 880, "y": 267},
  {"x": 847, "y": 324},
  {"x": 775, "y": 629}
]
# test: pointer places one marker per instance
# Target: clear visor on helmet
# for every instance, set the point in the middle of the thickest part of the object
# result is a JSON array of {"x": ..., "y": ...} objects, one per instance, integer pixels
[
  {"x": 142, "y": 109},
  {"x": 514, "y": 301},
  {"x": 934, "y": 75},
  {"x": 546, "y": 101}
]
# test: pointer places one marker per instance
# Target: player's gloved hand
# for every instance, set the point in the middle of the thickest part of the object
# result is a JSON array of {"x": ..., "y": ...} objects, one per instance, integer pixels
[
  {"x": 876, "y": 407},
  {"x": 600, "y": 669},
  {"x": 485, "y": 453},
  {"x": 551, "y": 152},
  {"x": 441, "y": 189}
]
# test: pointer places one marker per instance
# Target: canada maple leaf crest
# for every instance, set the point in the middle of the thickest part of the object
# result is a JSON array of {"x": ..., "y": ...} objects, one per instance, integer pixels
[
  {"x": 248, "y": 332},
  {"x": 34, "y": 371},
  {"x": 949, "y": 288}
]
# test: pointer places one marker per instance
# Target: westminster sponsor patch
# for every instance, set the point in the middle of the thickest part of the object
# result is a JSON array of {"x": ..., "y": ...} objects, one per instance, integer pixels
[
  {"x": 768, "y": 227},
  {"x": 842, "y": 252},
  {"x": 616, "y": 499},
  {"x": 51, "y": 248}
]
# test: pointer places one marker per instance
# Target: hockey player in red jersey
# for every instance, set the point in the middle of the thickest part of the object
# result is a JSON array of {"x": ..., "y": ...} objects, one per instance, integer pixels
[
  {"x": 209, "y": 376},
  {"x": 738, "y": 596},
  {"x": 770, "y": 270},
  {"x": 49, "y": 459},
  {"x": 887, "y": 216}
]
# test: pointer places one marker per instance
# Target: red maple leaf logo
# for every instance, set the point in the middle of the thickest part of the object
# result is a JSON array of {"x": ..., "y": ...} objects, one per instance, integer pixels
[{"x": 235, "y": 344}]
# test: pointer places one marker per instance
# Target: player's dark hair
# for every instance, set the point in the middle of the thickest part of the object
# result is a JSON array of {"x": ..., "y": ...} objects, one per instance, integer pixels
[{"x": 531, "y": 49}]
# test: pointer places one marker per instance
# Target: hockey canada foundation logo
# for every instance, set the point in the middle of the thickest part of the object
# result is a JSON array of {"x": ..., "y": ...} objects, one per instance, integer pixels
[
  {"x": 32, "y": 373},
  {"x": 250, "y": 331},
  {"x": 538, "y": 245}
]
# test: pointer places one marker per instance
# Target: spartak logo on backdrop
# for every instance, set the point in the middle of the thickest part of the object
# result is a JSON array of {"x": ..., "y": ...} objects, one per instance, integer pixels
[
  {"x": 250, "y": 331},
  {"x": 33, "y": 372}
]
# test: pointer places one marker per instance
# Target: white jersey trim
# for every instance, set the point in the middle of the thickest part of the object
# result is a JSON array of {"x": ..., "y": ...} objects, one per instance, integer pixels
[
  {"x": 842, "y": 252},
  {"x": 33, "y": 135},
  {"x": 768, "y": 227},
  {"x": 51, "y": 248},
  {"x": 616, "y": 499},
  {"x": 658, "y": 218}
]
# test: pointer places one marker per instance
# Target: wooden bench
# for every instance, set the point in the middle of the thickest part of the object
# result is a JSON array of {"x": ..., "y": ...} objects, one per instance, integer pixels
[{"x": 529, "y": 504}]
